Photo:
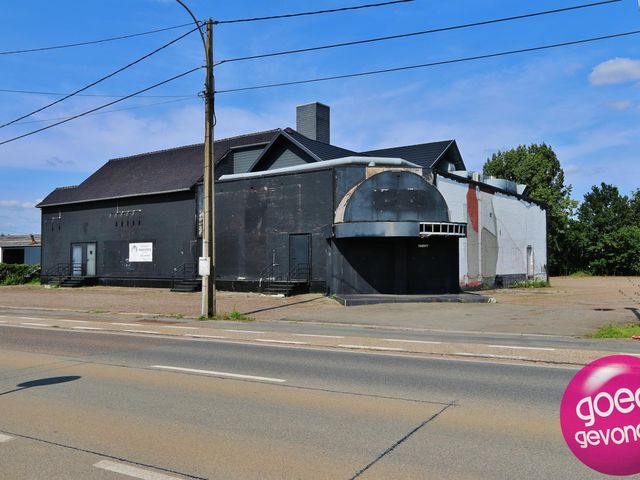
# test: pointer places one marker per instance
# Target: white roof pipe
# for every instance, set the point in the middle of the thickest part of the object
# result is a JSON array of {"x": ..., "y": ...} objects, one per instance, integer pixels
[{"x": 339, "y": 162}]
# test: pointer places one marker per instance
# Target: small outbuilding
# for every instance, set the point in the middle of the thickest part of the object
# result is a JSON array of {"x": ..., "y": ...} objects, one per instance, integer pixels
[
  {"x": 296, "y": 213},
  {"x": 24, "y": 249}
]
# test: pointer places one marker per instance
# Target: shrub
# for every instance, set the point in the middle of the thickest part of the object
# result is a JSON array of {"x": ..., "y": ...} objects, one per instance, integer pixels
[
  {"x": 17, "y": 274},
  {"x": 530, "y": 284}
]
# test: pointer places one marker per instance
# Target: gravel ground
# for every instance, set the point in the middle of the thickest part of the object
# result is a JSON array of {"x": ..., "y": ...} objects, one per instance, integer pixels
[{"x": 572, "y": 306}]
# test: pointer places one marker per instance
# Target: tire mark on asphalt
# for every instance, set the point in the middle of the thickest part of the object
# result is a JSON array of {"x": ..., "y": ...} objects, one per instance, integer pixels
[
  {"x": 100, "y": 454},
  {"x": 402, "y": 440}
]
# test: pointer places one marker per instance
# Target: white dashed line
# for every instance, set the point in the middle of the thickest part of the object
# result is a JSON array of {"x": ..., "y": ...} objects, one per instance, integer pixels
[
  {"x": 427, "y": 342},
  {"x": 291, "y": 342},
  {"x": 316, "y": 336},
  {"x": 3, "y": 321},
  {"x": 74, "y": 321},
  {"x": 369, "y": 347},
  {"x": 86, "y": 328},
  {"x": 132, "y": 471},
  {"x": 220, "y": 374},
  {"x": 143, "y": 331},
  {"x": 36, "y": 324},
  {"x": 34, "y": 318},
  {"x": 488, "y": 355},
  {"x": 125, "y": 324},
  {"x": 196, "y": 335},
  {"x": 176, "y": 326},
  {"x": 5, "y": 438},
  {"x": 244, "y": 331},
  {"x": 523, "y": 348}
]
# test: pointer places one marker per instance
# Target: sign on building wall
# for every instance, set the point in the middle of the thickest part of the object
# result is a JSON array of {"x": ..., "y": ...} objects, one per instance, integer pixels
[{"x": 141, "y": 252}]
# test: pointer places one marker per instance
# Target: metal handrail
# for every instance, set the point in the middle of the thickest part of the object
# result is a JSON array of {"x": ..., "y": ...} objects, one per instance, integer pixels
[
  {"x": 188, "y": 270},
  {"x": 301, "y": 271}
]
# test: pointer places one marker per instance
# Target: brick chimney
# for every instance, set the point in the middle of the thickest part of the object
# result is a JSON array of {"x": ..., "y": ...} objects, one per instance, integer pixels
[{"x": 313, "y": 121}]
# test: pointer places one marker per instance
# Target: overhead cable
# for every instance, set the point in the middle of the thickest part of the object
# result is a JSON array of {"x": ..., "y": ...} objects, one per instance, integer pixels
[
  {"x": 93, "y": 42},
  {"x": 99, "y": 95},
  {"x": 423, "y": 32},
  {"x": 102, "y": 79},
  {"x": 316, "y": 12},
  {"x": 188, "y": 72},
  {"x": 432, "y": 64}
]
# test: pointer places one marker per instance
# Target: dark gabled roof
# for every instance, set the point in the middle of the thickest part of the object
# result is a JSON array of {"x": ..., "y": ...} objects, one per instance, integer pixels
[
  {"x": 425, "y": 154},
  {"x": 324, "y": 151},
  {"x": 163, "y": 171}
]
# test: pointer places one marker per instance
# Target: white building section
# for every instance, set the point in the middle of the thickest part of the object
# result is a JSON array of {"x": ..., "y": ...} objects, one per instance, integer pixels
[{"x": 506, "y": 232}]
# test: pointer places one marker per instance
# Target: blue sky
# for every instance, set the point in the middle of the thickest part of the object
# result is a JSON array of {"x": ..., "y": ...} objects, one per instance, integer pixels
[{"x": 582, "y": 100}]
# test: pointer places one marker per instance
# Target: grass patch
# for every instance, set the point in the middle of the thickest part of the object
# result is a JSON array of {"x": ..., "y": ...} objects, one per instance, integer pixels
[
  {"x": 580, "y": 274},
  {"x": 617, "y": 331},
  {"x": 233, "y": 315},
  {"x": 530, "y": 284},
  {"x": 98, "y": 311}
]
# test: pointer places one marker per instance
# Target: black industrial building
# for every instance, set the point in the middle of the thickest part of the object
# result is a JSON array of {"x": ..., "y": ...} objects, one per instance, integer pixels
[{"x": 290, "y": 207}]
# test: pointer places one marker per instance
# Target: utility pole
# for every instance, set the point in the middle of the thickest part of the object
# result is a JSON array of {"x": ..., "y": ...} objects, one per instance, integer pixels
[
  {"x": 207, "y": 263},
  {"x": 209, "y": 230}
]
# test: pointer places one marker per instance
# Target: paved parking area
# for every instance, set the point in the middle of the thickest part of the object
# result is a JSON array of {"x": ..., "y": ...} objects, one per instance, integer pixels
[{"x": 572, "y": 306}]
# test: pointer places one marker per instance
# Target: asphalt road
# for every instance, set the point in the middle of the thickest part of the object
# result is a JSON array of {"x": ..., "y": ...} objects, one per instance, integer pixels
[{"x": 86, "y": 405}]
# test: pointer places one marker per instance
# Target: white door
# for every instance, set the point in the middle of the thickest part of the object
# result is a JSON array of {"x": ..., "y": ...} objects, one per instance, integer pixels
[
  {"x": 530, "y": 262},
  {"x": 91, "y": 259},
  {"x": 76, "y": 260}
]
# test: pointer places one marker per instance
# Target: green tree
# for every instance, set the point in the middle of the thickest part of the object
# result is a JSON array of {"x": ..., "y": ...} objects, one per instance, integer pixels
[
  {"x": 538, "y": 167},
  {"x": 612, "y": 235}
]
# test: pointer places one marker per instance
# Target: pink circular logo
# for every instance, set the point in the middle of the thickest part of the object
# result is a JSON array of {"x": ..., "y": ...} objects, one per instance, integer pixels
[{"x": 600, "y": 415}]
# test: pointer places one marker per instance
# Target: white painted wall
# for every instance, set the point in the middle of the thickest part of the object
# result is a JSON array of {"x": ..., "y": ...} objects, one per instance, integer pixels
[{"x": 516, "y": 224}]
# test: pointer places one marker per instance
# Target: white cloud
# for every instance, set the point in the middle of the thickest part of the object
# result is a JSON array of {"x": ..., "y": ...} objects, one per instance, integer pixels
[
  {"x": 617, "y": 70},
  {"x": 620, "y": 105},
  {"x": 16, "y": 204}
]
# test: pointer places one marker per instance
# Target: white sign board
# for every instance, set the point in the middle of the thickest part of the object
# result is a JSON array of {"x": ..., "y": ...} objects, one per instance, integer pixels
[
  {"x": 204, "y": 267},
  {"x": 141, "y": 252}
]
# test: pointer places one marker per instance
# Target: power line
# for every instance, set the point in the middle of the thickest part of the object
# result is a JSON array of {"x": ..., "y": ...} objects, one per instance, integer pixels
[
  {"x": 423, "y": 32},
  {"x": 101, "y": 106},
  {"x": 93, "y": 42},
  {"x": 58, "y": 94},
  {"x": 114, "y": 110},
  {"x": 432, "y": 64},
  {"x": 317, "y": 12},
  {"x": 129, "y": 65}
]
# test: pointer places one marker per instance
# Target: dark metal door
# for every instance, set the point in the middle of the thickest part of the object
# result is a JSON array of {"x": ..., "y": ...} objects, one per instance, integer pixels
[{"x": 300, "y": 256}]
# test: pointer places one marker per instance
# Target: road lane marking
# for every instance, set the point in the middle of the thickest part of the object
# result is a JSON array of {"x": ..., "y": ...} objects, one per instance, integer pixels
[
  {"x": 75, "y": 321},
  {"x": 291, "y": 342},
  {"x": 34, "y": 318},
  {"x": 132, "y": 471},
  {"x": 86, "y": 328},
  {"x": 5, "y": 438},
  {"x": 3, "y": 321},
  {"x": 176, "y": 326},
  {"x": 219, "y": 374},
  {"x": 523, "y": 348},
  {"x": 36, "y": 324},
  {"x": 126, "y": 324},
  {"x": 412, "y": 341},
  {"x": 489, "y": 355},
  {"x": 143, "y": 331},
  {"x": 369, "y": 347},
  {"x": 316, "y": 336},
  {"x": 197, "y": 335},
  {"x": 244, "y": 331}
]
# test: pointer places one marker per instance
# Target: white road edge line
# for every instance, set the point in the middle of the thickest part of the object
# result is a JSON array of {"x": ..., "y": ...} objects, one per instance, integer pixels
[
  {"x": 177, "y": 326},
  {"x": 315, "y": 336},
  {"x": 132, "y": 471},
  {"x": 523, "y": 348},
  {"x": 489, "y": 355},
  {"x": 219, "y": 374},
  {"x": 244, "y": 331},
  {"x": 35, "y": 318},
  {"x": 196, "y": 335},
  {"x": 5, "y": 438},
  {"x": 412, "y": 341},
  {"x": 126, "y": 324},
  {"x": 86, "y": 328},
  {"x": 370, "y": 347},
  {"x": 291, "y": 342},
  {"x": 75, "y": 321},
  {"x": 143, "y": 331},
  {"x": 3, "y": 321},
  {"x": 36, "y": 324}
]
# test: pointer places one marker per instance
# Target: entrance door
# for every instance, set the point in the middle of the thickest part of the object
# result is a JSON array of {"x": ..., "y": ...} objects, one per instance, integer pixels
[
  {"x": 91, "y": 259},
  {"x": 76, "y": 260},
  {"x": 299, "y": 256}
]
